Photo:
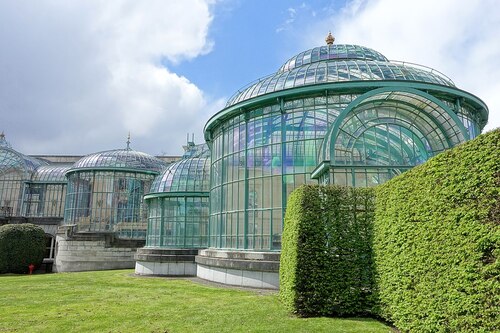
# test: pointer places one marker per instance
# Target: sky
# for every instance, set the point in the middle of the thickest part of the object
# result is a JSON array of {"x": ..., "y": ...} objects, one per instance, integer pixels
[{"x": 76, "y": 77}]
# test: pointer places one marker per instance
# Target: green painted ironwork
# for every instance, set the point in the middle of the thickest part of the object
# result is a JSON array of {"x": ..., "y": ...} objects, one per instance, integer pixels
[
  {"x": 270, "y": 138},
  {"x": 178, "y": 203},
  {"x": 105, "y": 192}
]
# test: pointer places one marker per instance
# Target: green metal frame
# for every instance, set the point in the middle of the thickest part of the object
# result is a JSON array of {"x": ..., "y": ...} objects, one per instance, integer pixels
[
  {"x": 343, "y": 87},
  {"x": 221, "y": 127},
  {"x": 179, "y": 240},
  {"x": 334, "y": 131}
]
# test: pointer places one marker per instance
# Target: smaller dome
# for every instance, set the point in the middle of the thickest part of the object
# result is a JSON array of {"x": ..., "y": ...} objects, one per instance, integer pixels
[
  {"x": 332, "y": 52},
  {"x": 120, "y": 159},
  {"x": 187, "y": 175}
]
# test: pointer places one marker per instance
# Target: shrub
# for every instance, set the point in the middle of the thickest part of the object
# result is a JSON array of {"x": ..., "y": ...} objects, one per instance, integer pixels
[
  {"x": 20, "y": 246},
  {"x": 437, "y": 242},
  {"x": 326, "y": 262}
]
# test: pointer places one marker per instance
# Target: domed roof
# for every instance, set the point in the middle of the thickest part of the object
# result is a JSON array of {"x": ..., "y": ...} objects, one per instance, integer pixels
[
  {"x": 338, "y": 63},
  {"x": 187, "y": 175},
  {"x": 336, "y": 52},
  {"x": 120, "y": 159},
  {"x": 11, "y": 160}
]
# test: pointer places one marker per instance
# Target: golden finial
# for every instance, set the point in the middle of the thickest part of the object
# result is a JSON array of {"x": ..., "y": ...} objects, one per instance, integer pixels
[{"x": 329, "y": 39}]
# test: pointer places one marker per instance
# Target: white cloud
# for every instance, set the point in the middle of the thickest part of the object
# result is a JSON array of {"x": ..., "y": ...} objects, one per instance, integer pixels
[
  {"x": 460, "y": 40},
  {"x": 76, "y": 77}
]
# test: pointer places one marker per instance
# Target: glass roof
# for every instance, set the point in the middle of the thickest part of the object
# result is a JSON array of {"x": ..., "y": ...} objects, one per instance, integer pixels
[
  {"x": 337, "y": 52},
  {"x": 338, "y": 63},
  {"x": 187, "y": 175},
  {"x": 13, "y": 160},
  {"x": 192, "y": 150},
  {"x": 51, "y": 173},
  {"x": 419, "y": 116},
  {"x": 120, "y": 158}
]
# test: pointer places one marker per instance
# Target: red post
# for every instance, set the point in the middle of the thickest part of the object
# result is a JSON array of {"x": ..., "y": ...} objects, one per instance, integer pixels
[{"x": 31, "y": 268}]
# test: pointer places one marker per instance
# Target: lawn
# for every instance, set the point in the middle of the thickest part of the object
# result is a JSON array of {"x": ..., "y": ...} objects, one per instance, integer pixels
[{"x": 118, "y": 301}]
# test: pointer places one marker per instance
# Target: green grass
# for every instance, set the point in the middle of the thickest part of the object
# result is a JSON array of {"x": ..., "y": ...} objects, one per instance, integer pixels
[{"x": 117, "y": 301}]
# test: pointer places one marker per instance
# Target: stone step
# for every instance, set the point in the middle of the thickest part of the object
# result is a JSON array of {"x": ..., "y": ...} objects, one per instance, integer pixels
[
  {"x": 164, "y": 258},
  {"x": 240, "y": 264},
  {"x": 159, "y": 251},
  {"x": 243, "y": 255}
]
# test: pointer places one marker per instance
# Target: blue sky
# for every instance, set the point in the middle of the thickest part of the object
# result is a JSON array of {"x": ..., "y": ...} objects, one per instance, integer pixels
[
  {"x": 77, "y": 76},
  {"x": 251, "y": 39}
]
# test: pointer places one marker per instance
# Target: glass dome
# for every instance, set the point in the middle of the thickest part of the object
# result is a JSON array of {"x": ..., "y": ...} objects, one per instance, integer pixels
[
  {"x": 178, "y": 202},
  {"x": 342, "y": 114},
  {"x": 338, "y": 63},
  {"x": 337, "y": 52},
  {"x": 120, "y": 159},
  {"x": 106, "y": 189},
  {"x": 187, "y": 175}
]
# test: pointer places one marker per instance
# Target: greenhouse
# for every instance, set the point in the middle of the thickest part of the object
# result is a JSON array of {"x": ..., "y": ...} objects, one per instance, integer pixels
[
  {"x": 178, "y": 206},
  {"x": 105, "y": 192},
  {"x": 16, "y": 170},
  {"x": 105, "y": 216},
  {"x": 178, "y": 203},
  {"x": 32, "y": 191},
  {"x": 334, "y": 114},
  {"x": 339, "y": 114},
  {"x": 45, "y": 193}
]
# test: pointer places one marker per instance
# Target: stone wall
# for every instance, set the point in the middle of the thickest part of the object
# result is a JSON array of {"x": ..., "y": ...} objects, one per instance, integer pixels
[
  {"x": 165, "y": 262},
  {"x": 77, "y": 252},
  {"x": 239, "y": 268}
]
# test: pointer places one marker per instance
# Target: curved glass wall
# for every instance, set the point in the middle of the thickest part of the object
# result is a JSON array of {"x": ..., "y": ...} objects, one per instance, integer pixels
[
  {"x": 263, "y": 148},
  {"x": 258, "y": 158},
  {"x": 45, "y": 193},
  {"x": 15, "y": 170},
  {"x": 105, "y": 192},
  {"x": 385, "y": 134},
  {"x": 178, "y": 203}
]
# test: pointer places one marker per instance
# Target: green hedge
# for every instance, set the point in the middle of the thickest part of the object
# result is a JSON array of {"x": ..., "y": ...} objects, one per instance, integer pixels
[
  {"x": 326, "y": 262},
  {"x": 20, "y": 246},
  {"x": 437, "y": 242}
]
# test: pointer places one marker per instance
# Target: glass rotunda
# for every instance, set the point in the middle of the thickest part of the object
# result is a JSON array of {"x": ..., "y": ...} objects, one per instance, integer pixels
[
  {"x": 178, "y": 216},
  {"x": 340, "y": 114},
  {"x": 105, "y": 192},
  {"x": 178, "y": 203}
]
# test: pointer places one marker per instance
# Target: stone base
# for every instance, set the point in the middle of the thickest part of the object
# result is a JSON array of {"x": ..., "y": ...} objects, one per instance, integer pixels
[
  {"x": 76, "y": 252},
  {"x": 239, "y": 268},
  {"x": 165, "y": 262}
]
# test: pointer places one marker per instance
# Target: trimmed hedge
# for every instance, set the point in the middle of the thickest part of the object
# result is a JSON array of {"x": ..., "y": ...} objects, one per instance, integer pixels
[
  {"x": 437, "y": 242},
  {"x": 326, "y": 262},
  {"x": 20, "y": 246}
]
